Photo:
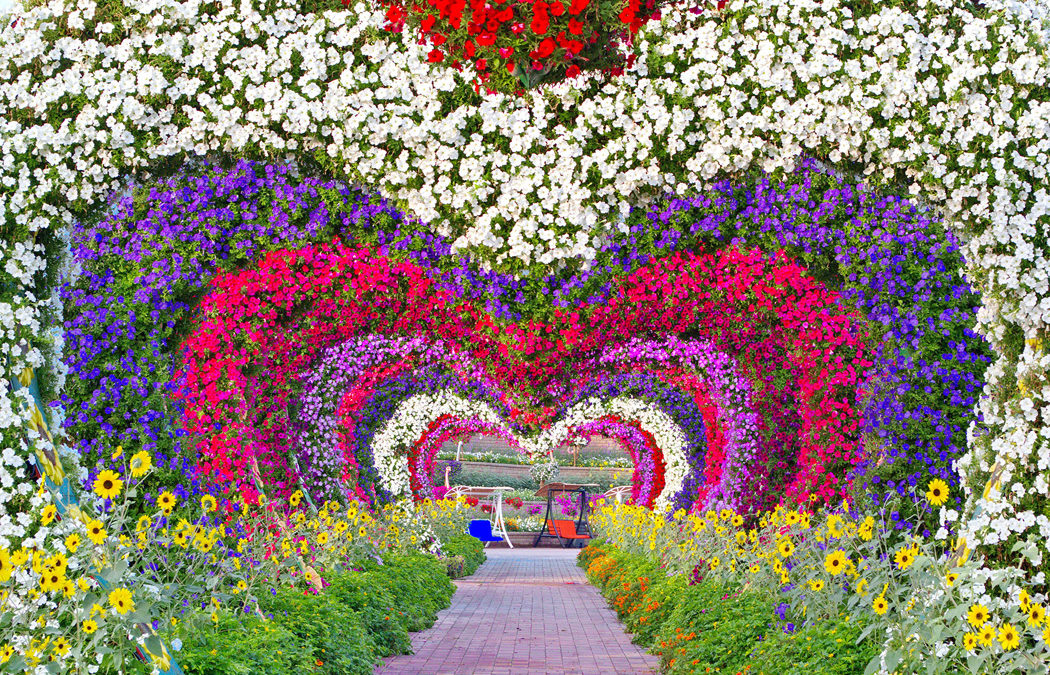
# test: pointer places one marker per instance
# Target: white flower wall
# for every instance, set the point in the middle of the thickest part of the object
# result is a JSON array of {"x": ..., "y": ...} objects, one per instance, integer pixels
[{"x": 948, "y": 99}]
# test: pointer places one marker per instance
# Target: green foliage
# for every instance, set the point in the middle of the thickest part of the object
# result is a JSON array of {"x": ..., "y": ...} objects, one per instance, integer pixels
[
  {"x": 715, "y": 626},
  {"x": 418, "y": 584},
  {"x": 469, "y": 549},
  {"x": 657, "y": 604},
  {"x": 359, "y": 617},
  {"x": 829, "y": 648},
  {"x": 376, "y": 607},
  {"x": 242, "y": 646},
  {"x": 719, "y": 627},
  {"x": 335, "y": 633}
]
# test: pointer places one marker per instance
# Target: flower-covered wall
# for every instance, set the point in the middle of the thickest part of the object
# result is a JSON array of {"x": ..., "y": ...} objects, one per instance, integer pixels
[
  {"x": 295, "y": 333},
  {"x": 523, "y": 210}
]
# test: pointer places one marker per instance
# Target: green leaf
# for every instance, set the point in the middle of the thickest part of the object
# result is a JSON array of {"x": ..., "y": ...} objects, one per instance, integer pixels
[{"x": 893, "y": 657}]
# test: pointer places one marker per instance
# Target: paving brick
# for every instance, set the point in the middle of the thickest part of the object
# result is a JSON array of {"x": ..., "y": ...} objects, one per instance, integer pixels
[{"x": 524, "y": 611}]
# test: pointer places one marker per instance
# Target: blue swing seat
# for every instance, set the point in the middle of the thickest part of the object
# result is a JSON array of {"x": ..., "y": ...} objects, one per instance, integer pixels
[{"x": 482, "y": 530}]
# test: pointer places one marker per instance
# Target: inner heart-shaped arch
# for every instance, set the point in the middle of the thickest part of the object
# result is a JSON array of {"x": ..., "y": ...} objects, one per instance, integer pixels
[{"x": 261, "y": 335}]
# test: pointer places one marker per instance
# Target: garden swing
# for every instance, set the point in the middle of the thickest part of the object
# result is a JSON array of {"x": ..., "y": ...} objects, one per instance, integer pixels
[{"x": 566, "y": 530}]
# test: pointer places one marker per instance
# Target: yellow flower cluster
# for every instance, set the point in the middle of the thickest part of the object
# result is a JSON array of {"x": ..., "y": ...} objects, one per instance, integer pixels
[{"x": 829, "y": 565}]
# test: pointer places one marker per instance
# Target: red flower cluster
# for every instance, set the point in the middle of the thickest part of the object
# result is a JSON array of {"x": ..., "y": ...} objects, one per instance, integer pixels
[{"x": 515, "y": 44}]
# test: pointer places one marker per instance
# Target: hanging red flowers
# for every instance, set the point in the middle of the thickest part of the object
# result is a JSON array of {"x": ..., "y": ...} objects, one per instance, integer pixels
[{"x": 531, "y": 39}]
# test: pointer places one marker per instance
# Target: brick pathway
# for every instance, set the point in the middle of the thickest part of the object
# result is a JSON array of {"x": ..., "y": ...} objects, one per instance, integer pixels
[{"x": 524, "y": 611}]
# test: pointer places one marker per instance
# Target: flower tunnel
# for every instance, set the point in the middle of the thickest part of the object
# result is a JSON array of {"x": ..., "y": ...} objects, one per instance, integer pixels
[{"x": 753, "y": 334}]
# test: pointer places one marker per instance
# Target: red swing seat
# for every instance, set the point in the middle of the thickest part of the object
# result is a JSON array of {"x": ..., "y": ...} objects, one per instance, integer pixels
[{"x": 566, "y": 529}]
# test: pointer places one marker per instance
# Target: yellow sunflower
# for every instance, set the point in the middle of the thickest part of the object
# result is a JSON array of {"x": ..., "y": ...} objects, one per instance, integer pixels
[
  {"x": 785, "y": 548},
  {"x": 48, "y": 514},
  {"x": 166, "y": 501},
  {"x": 904, "y": 557},
  {"x": 89, "y": 626},
  {"x": 879, "y": 605},
  {"x": 60, "y": 646},
  {"x": 208, "y": 503},
  {"x": 120, "y": 600},
  {"x": 96, "y": 531},
  {"x": 6, "y": 566},
  {"x": 1009, "y": 638},
  {"x": 986, "y": 635},
  {"x": 108, "y": 484},
  {"x": 53, "y": 580},
  {"x": 867, "y": 529},
  {"x": 141, "y": 462},
  {"x": 977, "y": 616},
  {"x": 937, "y": 492},
  {"x": 73, "y": 542},
  {"x": 835, "y": 562}
]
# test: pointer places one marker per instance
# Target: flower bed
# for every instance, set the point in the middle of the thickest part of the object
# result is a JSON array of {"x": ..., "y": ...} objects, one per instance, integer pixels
[{"x": 838, "y": 591}]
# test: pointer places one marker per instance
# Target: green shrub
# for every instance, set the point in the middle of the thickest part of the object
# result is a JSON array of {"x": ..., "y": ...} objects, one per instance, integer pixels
[
  {"x": 336, "y": 633},
  {"x": 715, "y": 627},
  {"x": 240, "y": 645},
  {"x": 829, "y": 648},
  {"x": 657, "y": 605},
  {"x": 383, "y": 620},
  {"x": 418, "y": 584},
  {"x": 470, "y": 549}
]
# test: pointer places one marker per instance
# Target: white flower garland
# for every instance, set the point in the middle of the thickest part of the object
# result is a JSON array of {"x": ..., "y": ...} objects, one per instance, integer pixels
[
  {"x": 668, "y": 436},
  {"x": 408, "y": 423},
  {"x": 911, "y": 92}
]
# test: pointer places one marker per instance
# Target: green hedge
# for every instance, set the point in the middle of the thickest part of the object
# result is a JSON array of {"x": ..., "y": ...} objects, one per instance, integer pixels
[
  {"x": 465, "y": 555},
  {"x": 710, "y": 627},
  {"x": 360, "y": 616}
]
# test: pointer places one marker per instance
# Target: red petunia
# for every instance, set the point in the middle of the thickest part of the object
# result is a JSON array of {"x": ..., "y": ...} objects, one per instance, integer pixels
[
  {"x": 486, "y": 39},
  {"x": 578, "y": 6},
  {"x": 436, "y": 56},
  {"x": 545, "y": 49},
  {"x": 482, "y": 64},
  {"x": 540, "y": 23},
  {"x": 575, "y": 27},
  {"x": 557, "y": 9},
  {"x": 572, "y": 71},
  {"x": 469, "y": 49},
  {"x": 428, "y": 23}
]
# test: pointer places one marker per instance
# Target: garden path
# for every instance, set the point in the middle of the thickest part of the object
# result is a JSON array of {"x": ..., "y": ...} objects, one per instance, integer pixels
[{"x": 524, "y": 611}]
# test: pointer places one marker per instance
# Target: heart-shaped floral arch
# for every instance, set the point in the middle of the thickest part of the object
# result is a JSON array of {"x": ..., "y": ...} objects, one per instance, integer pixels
[
  {"x": 261, "y": 327},
  {"x": 738, "y": 379}
]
